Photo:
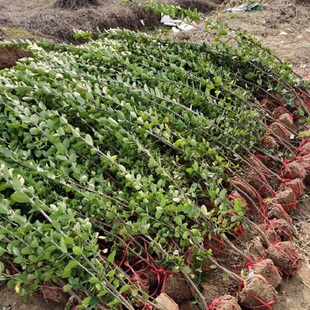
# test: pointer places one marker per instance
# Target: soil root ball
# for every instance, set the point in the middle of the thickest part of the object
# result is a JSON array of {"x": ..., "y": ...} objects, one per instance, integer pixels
[
  {"x": 226, "y": 302},
  {"x": 293, "y": 170},
  {"x": 279, "y": 230},
  {"x": 285, "y": 256},
  {"x": 165, "y": 302},
  {"x": 279, "y": 131},
  {"x": 276, "y": 211},
  {"x": 280, "y": 111},
  {"x": 287, "y": 199},
  {"x": 305, "y": 163},
  {"x": 296, "y": 185},
  {"x": 304, "y": 150},
  {"x": 256, "y": 249},
  {"x": 257, "y": 293},
  {"x": 287, "y": 120},
  {"x": 271, "y": 142},
  {"x": 177, "y": 288},
  {"x": 257, "y": 179},
  {"x": 244, "y": 187},
  {"x": 268, "y": 270}
]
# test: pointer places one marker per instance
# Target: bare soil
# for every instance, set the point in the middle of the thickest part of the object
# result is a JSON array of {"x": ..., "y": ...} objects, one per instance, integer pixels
[{"x": 10, "y": 55}]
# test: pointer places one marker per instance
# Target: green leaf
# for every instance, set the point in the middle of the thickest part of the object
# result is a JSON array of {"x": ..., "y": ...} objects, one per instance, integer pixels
[
  {"x": 77, "y": 250},
  {"x": 20, "y": 197},
  {"x": 124, "y": 288},
  {"x": 67, "y": 288},
  {"x": 63, "y": 246},
  {"x": 94, "y": 280},
  {"x": 111, "y": 257},
  {"x": 2, "y": 267},
  {"x": 89, "y": 140}
]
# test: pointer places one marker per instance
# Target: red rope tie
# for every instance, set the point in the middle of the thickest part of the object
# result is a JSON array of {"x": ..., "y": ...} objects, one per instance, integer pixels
[
  {"x": 295, "y": 262},
  {"x": 269, "y": 304},
  {"x": 213, "y": 247},
  {"x": 219, "y": 302}
]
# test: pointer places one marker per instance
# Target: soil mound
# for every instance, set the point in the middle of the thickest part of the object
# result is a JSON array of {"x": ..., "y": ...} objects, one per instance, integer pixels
[{"x": 10, "y": 55}]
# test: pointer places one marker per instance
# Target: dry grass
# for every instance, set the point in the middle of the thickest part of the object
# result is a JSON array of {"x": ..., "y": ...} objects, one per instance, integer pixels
[{"x": 42, "y": 18}]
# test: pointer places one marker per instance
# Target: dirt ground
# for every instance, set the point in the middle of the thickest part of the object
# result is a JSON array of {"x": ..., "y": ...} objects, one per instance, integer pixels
[{"x": 282, "y": 25}]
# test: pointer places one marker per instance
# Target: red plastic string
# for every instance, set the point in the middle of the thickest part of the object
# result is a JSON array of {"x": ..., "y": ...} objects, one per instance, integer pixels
[
  {"x": 269, "y": 304},
  {"x": 213, "y": 247},
  {"x": 45, "y": 288},
  {"x": 289, "y": 254},
  {"x": 272, "y": 226},
  {"x": 219, "y": 302}
]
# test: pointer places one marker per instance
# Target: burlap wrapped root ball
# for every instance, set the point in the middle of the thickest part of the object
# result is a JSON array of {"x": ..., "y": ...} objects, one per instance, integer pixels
[
  {"x": 257, "y": 293},
  {"x": 285, "y": 256},
  {"x": 268, "y": 270},
  {"x": 226, "y": 302}
]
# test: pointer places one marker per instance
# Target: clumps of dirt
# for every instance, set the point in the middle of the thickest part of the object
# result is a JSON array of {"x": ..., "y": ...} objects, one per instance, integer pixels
[
  {"x": 294, "y": 170},
  {"x": 61, "y": 24},
  {"x": 11, "y": 54},
  {"x": 279, "y": 230},
  {"x": 269, "y": 271},
  {"x": 177, "y": 288},
  {"x": 257, "y": 293},
  {"x": 285, "y": 256}
]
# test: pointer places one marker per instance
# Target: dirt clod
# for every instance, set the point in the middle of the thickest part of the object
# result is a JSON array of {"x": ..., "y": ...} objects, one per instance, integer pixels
[
  {"x": 279, "y": 230},
  {"x": 177, "y": 288},
  {"x": 244, "y": 188},
  {"x": 287, "y": 120},
  {"x": 256, "y": 249},
  {"x": 257, "y": 293},
  {"x": 276, "y": 211},
  {"x": 296, "y": 185},
  {"x": 287, "y": 199},
  {"x": 279, "y": 131},
  {"x": 269, "y": 271},
  {"x": 294, "y": 170},
  {"x": 285, "y": 256}
]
